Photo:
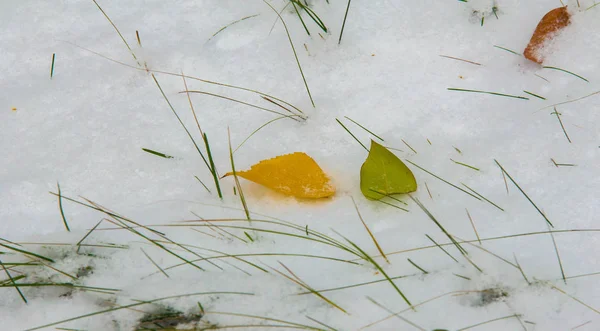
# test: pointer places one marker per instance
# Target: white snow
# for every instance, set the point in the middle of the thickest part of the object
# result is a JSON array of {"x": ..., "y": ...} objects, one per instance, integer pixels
[{"x": 85, "y": 129}]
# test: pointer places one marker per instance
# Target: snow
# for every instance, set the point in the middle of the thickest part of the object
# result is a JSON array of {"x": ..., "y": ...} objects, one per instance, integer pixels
[{"x": 85, "y": 128}]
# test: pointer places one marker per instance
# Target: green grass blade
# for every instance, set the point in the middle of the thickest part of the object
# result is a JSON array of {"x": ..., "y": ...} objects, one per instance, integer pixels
[
  {"x": 344, "y": 22},
  {"x": 163, "y": 155},
  {"x": 294, "y": 50},
  {"x": 60, "y": 207},
  {"x": 525, "y": 194}
]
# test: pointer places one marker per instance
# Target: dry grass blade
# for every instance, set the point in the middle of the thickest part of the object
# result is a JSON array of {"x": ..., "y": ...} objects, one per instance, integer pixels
[
  {"x": 473, "y": 225},
  {"x": 237, "y": 101},
  {"x": 459, "y": 59},
  {"x": 118, "y": 32},
  {"x": 230, "y": 24},
  {"x": 155, "y": 264},
  {"x": 369, "y": 231},
  {"x": 391, "y": 312},
  {"x": 237, "y": 181},
  {"x": 134, "y": 305},
  {"x": 490, "y": 321}
]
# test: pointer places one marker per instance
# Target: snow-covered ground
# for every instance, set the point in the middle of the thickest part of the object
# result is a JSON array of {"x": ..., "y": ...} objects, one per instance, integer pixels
[{"x": 85, "y": 129}]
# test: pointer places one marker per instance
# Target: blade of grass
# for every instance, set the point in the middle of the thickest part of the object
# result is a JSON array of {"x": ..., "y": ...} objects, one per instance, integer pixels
[
  {"x": 155, "y": 264},
  {"x": 465, "y": 165},
  {"x": 198, "y": 179},
  {"x": 380, "y": 269},
  {"x": 230, "y": 24},
  {"x": 60, "y": 207},
  {"x": 535, "y": 95},
  {"x": 482, "y": 197},
  {"x": 12, "y": 280},
  {"x": 87, "y": 235},
  {"x": 442, "y": 248},
  {"x": 52, "y": 66},
  {"x": 488, "y": 92},
  {"x": 321, "y": 323},
  {"x": 369, "y": 231},
  {"x": 574, "y": 100},
  {"x": 186, "y": 76},
  {"x": 163, "y": 155},
  {"x": 358, "y": 284},
  {"x": 428, "y": 213},
  {"x": 390, "y": 312},
  {"x": 458, "y": 59},
  {"x": 288, "y": 324},
  {"x": 300, "y": 17},
  {"x": 566, "y": 71},
  {"x": 311, "y": 13},
  {"x": 237, "y": 101},
  {"x": 237, "y": 181},
  {"x": 298, "y": 281},
  {"x": 443, "y": 180},
  {"x": 407, "y": 145},
  {"x": 294, "y": 51},
  {"x": 521, "y": 270},
  {"x": 214, "y": 172},
  {"x": 255, "y": 131},
  {"x": 191, "y": 104},
  {"x": 353, "y": 136},
  {"x": 118, "y": 32},
  {"x": 473, "y": 225},
  {"x": 134, "y": 305},
  {"x": 561, "y": 124},
  {"x": 344, "y": 22},
  {"x": 417, "y": 266},
  {"x": 508, "y": 50},
  {"x": 362, "y": 127},
  {"x": 562, "y": 270},
  {"x": 490, "y": 321},
  {"x": 26, "y": 252},
  {"x": 572, "y": 297},
  {"x": 525, "y": 194}
]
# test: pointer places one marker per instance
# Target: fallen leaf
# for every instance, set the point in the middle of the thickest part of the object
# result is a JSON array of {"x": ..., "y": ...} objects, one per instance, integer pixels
[
  {"x": 384, "y": 174},
  {"x": 295, "y": 174},
  {"x": 551, "y": 23}
]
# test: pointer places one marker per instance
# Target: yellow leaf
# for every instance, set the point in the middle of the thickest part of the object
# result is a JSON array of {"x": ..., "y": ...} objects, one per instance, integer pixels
[{"x": 294, "y": 174}]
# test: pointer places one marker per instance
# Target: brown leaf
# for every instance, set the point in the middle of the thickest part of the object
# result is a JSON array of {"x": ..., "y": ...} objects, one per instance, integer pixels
[{"x": 552, "y": 22}]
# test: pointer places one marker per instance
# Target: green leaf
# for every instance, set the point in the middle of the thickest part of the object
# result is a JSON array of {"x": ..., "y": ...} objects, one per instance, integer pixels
[{"x": 384, "y": 174}]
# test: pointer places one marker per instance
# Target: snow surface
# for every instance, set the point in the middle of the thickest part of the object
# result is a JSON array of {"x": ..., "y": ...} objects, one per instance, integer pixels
[{"x": 85, "y": 128}]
